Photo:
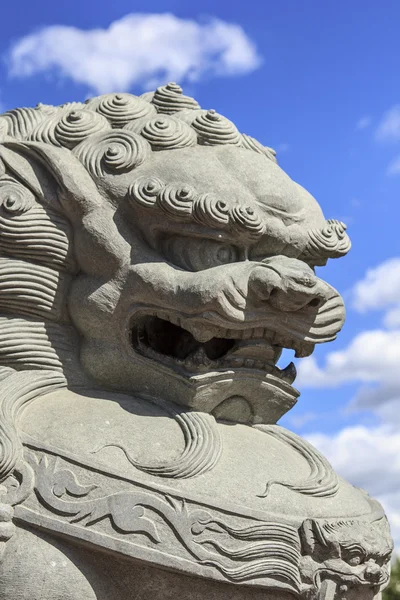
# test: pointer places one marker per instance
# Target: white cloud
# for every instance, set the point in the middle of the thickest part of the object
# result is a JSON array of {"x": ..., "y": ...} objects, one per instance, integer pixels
[
  {"x": 139, "y": 49},
  {"x": 392, "y": 318},
  {"x": 394, "y": 167},
  {"x": 369, "y": 458},
  {"x": 380, "y": 287},
  {"x": 389, "y": 127},
  {"x": 372, "y": 356},
  {"x": 363, "y": 123}
]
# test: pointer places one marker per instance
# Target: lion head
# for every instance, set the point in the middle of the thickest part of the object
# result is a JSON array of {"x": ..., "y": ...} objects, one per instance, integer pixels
[
  {"x": 148, "y": 246},
  {"x": 351, "y": 554}
]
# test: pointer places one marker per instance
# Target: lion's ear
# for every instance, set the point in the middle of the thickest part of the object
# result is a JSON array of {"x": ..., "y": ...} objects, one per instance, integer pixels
[
  {"x": 46, "y": 170},
  {"x": 28, "y": 172}
]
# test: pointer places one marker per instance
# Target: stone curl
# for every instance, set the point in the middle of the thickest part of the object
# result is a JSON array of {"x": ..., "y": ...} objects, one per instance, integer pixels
[
  {"x": 164, "y": 132},
  {"x": 14, "y": 197},
  {"x": 169, "y": 99},
  {"x": 183, "y": 202},
  {"x": 115, "y": 151},
  {"x": 209, "y": 210},
  {"x": 166, "y": 118},
  {"x": 67, "y": 127},
  {"x": 331, "y": 241},
  {"x": 145, "y": 191},
  {"x": 214, "y": 130},
  {"x": 77, "y": 125},
  {"x": 177, "y": 201},
  {"x": 248, "y": 218},
  {"x": 121, "y": 109}
]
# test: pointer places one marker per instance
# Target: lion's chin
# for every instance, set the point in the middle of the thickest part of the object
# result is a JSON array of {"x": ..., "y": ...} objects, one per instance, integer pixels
[{"x": 164, "y": 340}]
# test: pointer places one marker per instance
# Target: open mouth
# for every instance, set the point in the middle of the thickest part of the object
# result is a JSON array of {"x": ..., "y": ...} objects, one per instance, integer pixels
[{"x": 169, "y": 343}]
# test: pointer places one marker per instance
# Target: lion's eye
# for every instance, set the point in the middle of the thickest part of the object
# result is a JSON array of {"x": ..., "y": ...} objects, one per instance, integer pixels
[
  {"x": 194, "y": 254},
  {"x": 226, "y": 254},
  {"x": 355, "y": 559}
]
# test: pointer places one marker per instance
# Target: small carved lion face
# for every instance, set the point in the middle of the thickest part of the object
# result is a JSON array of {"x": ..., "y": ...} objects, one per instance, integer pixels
[
  {"x": 353, "y": 553},
  {"x": 195, "y": 252}
]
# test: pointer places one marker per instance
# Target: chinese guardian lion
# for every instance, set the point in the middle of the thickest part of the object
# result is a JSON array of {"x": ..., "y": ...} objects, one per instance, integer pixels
[{"x": 154, "y": 263}]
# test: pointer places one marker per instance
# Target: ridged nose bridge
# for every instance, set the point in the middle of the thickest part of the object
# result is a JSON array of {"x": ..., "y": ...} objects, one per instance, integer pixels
[{"x": 287, "y": 285}]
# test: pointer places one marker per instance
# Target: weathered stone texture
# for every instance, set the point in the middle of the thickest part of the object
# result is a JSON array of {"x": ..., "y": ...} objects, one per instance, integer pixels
[{"x": 154, "y": 262}]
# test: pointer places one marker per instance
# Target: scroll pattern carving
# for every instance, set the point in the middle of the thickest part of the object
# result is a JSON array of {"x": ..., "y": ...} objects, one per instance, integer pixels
[
  {"x": 268, "y": 551},
  {"x": 322, "y": 480},
  {"x": 202, "y": 450},
  {"x": 306, "y": 559}
]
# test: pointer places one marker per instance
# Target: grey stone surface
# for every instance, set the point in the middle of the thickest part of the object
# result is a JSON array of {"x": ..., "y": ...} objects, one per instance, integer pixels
[{"x": 154, "y": 263}]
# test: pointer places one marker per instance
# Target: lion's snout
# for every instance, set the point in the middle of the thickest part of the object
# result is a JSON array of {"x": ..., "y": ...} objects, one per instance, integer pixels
[{"x": 287, "y": 285}]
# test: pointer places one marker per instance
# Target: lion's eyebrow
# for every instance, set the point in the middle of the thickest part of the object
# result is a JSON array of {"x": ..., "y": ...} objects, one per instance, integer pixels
[
  {"x": 183, "y": 203},
  {"x": 353, "y": 547}
]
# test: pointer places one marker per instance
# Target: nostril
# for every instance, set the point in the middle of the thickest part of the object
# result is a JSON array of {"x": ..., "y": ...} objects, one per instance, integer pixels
[
  {"x": 372, "y": 574},
  {"x": 315, "y": 302}
]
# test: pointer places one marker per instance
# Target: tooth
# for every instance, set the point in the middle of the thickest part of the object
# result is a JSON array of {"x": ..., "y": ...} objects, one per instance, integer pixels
[
  {"x": 188, "y": 363},
  {"x": 246, "y": 334},
  {"x": 200, "y": 334},
  {"x": 289, "y": 373},
  {"x": 303, "y": 349},
  {"x": 258, "y": 332},
  {"x": 274, "y": 336},
  {"x": 199, "y": 356},
  {"x": 259, "y": 364},
  {"x": 231, "y": 334},
  {"x": 237, "y": 362},
  {"x": 249, "y": 362}
]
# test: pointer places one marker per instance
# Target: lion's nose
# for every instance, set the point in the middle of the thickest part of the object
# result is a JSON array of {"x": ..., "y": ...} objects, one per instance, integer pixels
[
  {"x": 283, "y": 292},
  {"x": 373, "y": 573}
]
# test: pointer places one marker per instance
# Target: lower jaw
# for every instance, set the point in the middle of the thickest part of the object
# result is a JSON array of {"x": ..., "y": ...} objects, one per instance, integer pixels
[
  {"x": 235, "y": 380},
  {"x": 242, "y": 395},
  {"x": 177, "y": 349}
]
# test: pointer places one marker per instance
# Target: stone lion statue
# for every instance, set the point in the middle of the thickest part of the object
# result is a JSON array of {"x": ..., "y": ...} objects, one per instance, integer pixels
[{"x": 154, "y": 263}]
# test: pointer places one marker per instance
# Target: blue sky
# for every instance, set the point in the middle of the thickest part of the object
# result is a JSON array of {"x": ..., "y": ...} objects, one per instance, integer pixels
[{"x": 319, "y": 81}]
